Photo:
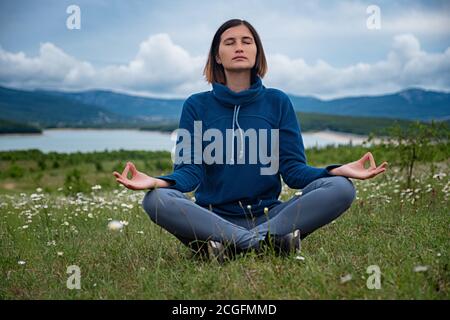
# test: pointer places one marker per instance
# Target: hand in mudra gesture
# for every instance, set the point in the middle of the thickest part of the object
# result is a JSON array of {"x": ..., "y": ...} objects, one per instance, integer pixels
[
  {"x": 357, "y": 170},
  {"x": 138, "y": 181}
]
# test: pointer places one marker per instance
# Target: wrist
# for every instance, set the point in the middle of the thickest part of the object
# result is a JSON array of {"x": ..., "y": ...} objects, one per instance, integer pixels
[
  {"x": 160, "y": 183},
  {"x": 335, "y": 171}
]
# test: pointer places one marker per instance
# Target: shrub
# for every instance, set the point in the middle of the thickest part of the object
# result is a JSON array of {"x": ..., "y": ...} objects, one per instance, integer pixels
[{"x": 75, "y": 183}]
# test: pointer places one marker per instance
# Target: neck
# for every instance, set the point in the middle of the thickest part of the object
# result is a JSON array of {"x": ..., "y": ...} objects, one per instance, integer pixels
[{"x": 238, "y": 81}]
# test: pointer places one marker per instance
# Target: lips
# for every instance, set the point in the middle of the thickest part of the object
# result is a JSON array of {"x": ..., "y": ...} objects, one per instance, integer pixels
[{"x": 239, "y": 57}]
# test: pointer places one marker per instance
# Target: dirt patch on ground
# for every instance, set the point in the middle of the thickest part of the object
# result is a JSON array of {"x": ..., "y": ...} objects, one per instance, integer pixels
[{"x": 9, "y": 186}]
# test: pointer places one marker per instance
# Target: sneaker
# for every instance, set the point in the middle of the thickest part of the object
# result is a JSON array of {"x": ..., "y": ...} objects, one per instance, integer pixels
[
  {"x": 285, "y": 244},
  {"x": 216, "y": 251}
]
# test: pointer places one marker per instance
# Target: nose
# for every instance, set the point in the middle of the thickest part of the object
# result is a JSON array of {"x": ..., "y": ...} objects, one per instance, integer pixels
[{"x": 239, "y": 48}]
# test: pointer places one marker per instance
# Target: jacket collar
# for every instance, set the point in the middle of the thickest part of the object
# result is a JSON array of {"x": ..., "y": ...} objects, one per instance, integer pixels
[{"x": 230, "y": 98}]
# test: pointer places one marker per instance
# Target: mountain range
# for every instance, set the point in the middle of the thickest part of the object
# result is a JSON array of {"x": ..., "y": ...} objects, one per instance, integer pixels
[{"x": 101, "y": 108}]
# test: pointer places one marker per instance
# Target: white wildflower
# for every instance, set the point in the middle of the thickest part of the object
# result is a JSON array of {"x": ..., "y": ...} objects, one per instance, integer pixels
[
  {"x": 115, "y": 225},
  {"x": 439, "y": 175},
  {"x": 420, "y": 268},
  {"x": 346, "y": 278},
  {"x": 35, "y": 197}
]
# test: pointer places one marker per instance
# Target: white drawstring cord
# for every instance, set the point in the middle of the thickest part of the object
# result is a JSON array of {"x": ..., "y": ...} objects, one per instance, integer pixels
[{"x": 241, "y": 152}]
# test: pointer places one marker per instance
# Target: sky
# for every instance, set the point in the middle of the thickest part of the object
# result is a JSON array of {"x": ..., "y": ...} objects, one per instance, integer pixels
[{"x": 158, "y": 48}]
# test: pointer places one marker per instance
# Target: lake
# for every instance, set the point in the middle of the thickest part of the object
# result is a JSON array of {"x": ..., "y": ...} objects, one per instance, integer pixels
[{"x": 86, "y": 140}]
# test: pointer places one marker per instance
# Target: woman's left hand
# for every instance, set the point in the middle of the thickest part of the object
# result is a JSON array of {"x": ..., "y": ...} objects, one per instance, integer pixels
[{"x": 357, "y": 170}]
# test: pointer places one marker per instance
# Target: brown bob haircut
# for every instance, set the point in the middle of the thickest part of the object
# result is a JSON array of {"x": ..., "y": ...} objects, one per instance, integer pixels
[{"x": 214, "y": 72}]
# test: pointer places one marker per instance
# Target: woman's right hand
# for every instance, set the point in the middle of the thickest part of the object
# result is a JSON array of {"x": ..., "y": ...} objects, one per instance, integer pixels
[{"x": 138, "y": 181}]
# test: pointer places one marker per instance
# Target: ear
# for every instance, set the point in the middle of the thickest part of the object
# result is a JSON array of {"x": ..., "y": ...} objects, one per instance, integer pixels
[{"x": 218, "y": 60}]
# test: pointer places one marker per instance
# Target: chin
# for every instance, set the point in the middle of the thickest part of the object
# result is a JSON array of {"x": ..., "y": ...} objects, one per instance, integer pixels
[{"x": 240, "y": 68}]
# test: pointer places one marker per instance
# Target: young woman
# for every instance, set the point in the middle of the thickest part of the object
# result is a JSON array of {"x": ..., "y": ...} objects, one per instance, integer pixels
[{"x": 236, "y": 203}]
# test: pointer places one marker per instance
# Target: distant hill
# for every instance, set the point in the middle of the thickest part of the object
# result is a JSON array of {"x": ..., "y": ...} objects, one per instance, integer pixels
[
  {"x": 15, "y": 127},
  {"x": 146, "y": 109},
  {"x": 411, "y": 104},
  {"x": 45, "y": 110},
  {"x": 98, "y": 108}
]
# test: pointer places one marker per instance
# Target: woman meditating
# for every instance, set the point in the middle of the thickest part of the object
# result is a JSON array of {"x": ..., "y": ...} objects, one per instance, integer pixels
[{"x": 235, "y": 143}]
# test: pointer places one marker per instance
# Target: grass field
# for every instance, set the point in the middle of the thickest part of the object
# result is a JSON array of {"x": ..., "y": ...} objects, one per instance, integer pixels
[{"x": 46, "y": 229}]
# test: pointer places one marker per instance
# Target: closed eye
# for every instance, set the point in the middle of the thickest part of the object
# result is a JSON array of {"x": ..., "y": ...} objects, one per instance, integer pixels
[{"x": 245, "y": 40}]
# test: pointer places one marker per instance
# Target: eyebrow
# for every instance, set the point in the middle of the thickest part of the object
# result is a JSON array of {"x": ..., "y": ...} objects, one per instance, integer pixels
[{"x": 244, "y": 37}]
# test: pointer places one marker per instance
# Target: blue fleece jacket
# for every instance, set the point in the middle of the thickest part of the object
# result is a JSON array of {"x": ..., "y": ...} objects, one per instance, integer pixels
[{"x": 239, "y": 188}]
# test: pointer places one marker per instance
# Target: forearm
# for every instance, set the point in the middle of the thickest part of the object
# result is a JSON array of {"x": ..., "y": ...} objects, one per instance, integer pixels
[
  {"x": 298, "y": 175},
  {"x": 160, "y": 183},
  {"x": 184, "y": 178}
]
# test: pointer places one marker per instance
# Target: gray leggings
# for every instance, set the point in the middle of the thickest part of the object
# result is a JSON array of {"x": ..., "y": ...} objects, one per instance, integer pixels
[{"x": 322, "y": 201}]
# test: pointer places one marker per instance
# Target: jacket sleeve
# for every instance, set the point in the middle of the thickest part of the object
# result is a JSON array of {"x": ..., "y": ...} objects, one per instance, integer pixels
[
  {"x": 186, "y": 175},
  {"x": 293, "y": 168}
]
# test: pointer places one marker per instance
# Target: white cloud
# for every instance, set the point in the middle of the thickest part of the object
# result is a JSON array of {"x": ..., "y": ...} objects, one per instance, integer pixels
[
  {"x": 52, "y": 67},
  {"x": 406, "y": 65},
  {"x": 159, "y": 68},
  {"x": 159, "y": 65},
  {"x": 163, "y": 68}
]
